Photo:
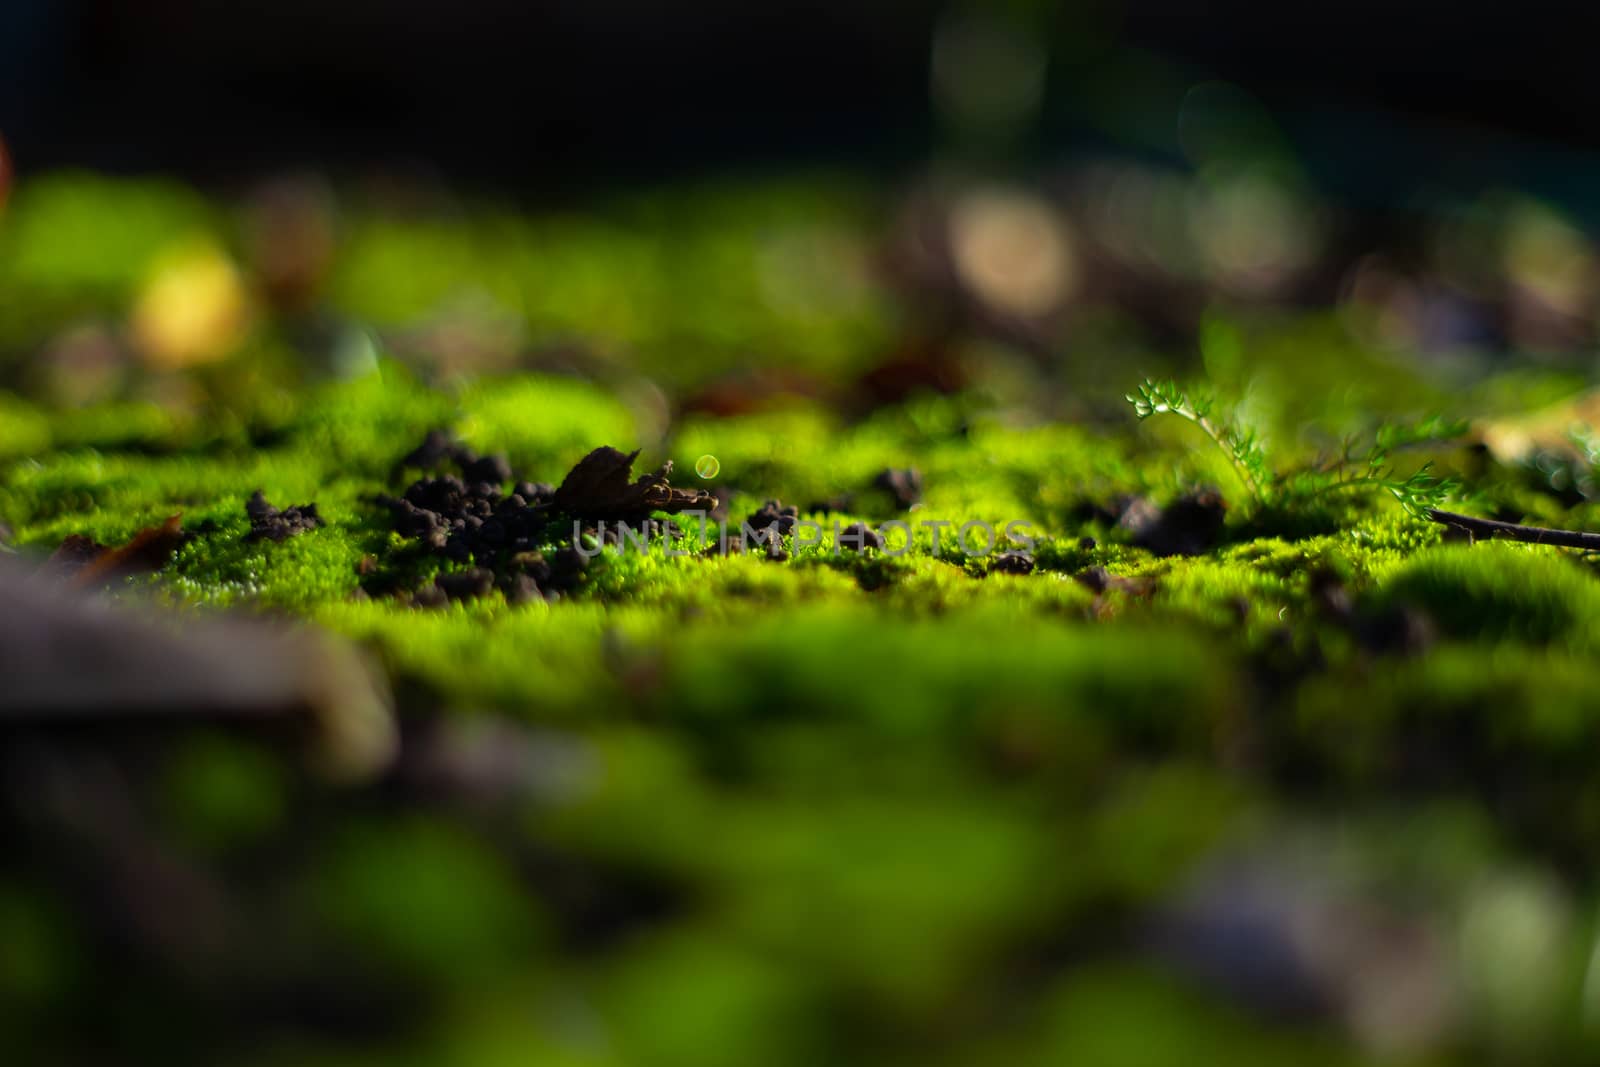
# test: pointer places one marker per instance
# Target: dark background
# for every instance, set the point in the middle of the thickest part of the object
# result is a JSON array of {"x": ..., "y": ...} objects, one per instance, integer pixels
[{"x": 1374, "y": 95}]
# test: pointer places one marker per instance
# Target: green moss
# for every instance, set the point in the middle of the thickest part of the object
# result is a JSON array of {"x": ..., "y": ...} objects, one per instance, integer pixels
[
  {"x": 392, "y": 893},
  {"x": 54, "y": 221},
  {"x": 306, "y": 571},
  {"x": 1139, "y": 1018},
  {"x": 912, "y": 676},
  {"x": 544, "y": 660},
  {"x": 685, "y": 285},
  {"x": 676, "y": 989},
  {"x": 1513, "y": 701},
  {"x": 1501, "y": 592}
]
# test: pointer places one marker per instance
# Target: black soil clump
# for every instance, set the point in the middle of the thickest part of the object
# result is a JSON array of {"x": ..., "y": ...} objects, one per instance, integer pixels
[
  {"x": 904, "y": 485},
  {"x": 466, "y": 519},
  {"x": 858, "y": 537},
  {"x": 839, "y": 502},
  {"x": 1012, "y": 563},
  {"x": 534, "y": 492},
  {"x": 1098, "y": 581},
  {"x": 438, "y": 449},
  {"x": 1189, "y": 526},
  {"x": 1382, "y": 629},
  {"x": 768, "y": 539},
  {"x": 775, "y": 513},
  {"x": 269, "y": 523},
  {"x": 460, "y": 586}
]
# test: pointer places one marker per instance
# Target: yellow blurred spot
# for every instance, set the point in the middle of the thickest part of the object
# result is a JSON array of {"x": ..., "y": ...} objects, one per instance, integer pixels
[
  {"x": 1557, "y": 429},
  {"x": 1554, "y": 429},
  {"x": 192, "y": 309},
  {"x": 1014, "y": 252}
]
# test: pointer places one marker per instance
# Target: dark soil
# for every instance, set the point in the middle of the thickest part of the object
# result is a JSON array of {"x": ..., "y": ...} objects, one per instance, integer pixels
[
  {"x": 272, "y": 524},
  {"x": 1189, "y": 526}
]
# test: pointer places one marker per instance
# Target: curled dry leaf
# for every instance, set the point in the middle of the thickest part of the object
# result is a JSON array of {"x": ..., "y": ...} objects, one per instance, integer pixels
[
  {"x": 598, "y": 488},
  {"x": 87, "y": 563}
]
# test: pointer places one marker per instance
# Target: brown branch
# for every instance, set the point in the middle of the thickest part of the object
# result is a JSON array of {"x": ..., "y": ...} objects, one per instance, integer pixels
[{"x": 1533, "y": 535}]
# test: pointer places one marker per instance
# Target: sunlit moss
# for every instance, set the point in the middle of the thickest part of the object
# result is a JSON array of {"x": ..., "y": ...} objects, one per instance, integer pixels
[
  {"x": 1498, "y": 592},
  {"x": 542, "y": 423}
]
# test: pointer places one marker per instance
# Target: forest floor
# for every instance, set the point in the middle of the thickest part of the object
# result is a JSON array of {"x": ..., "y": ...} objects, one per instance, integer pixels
[{"x": 1120, "y": 747}]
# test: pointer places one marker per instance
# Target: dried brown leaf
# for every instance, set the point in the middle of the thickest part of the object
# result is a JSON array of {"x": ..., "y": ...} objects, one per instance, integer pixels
[
  {"x": 599, "y": 488},
  {"x": 87, "y": 563}
]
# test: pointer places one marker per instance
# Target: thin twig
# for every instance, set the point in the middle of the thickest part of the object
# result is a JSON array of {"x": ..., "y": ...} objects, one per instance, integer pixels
[{"x": 1533, "y": 535}]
